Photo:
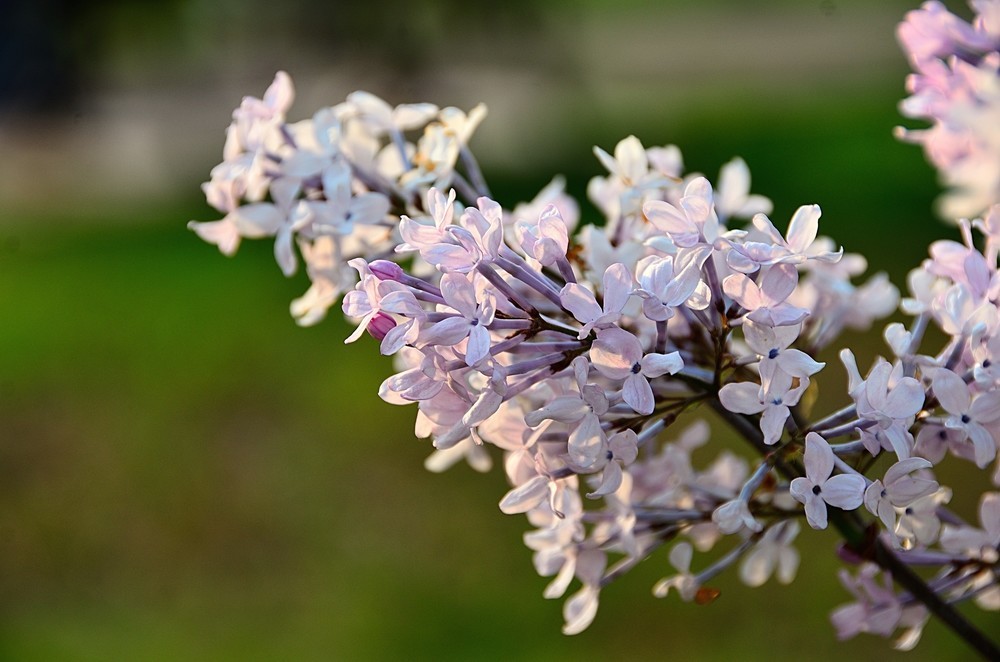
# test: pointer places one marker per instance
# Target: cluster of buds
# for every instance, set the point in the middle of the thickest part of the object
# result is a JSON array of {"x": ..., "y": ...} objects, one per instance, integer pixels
[{"x": 568, "y": 352}]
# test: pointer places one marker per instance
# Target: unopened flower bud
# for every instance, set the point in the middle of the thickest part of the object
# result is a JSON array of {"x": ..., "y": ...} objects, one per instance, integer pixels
[
  {"x": 380, "y": 325},
  {"x": 386, "y": 270}
]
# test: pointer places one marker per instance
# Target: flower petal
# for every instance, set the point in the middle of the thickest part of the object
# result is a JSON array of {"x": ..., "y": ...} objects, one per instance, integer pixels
[
  {"x": 845, "y": 491},
  {"x": 638, "y": 394},
  {"x": 818, "y": 458}
]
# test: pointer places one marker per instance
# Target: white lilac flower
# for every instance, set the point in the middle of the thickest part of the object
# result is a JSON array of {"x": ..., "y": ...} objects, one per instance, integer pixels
[
  {"x": 955, "y": 87},
  {"x": 887, "y": 398},
  {"x": 380, "y": 117},
  {"x": 982, "y": 542},
  {"x": 622, "y": 193},
  {"x": 766, "y": 303},
  {"x": 733, "y": 198},
  {"x": 797, "y": 247},
  {"x": 772, "y": 553},
  {"x": 579, "y": 610},
  {"x": 898, "y": 489},
  {"x": 475, "y": 314},
  {"x": 255, "y": 117},
  {"x": 694, "y": 222},
  {"x": 587, "y": 439},
  {"x": 683, "y": 582},
  {"x": 987, "y": 357},
  {"x": 329, "y": 277},
  {"x": 919, "y": 524},
  {"x": 621, "y": 450},
  {"x": 771, "y": 344},
  {"x": 617, "y": 354},
  {"x": 372, "y": 296},
  {"x": 878, "y": 609},
  {"x": 553, "y": 194},
  {"x": 773, "y": 403},
  {"x": 580, "y": 301},
  {"x": 599, "y": 253},
  {"x": 819, "y": 488},
  {"x": 667, "y": 283},
  {"x": 733, "y": 516},
  {"x": 968, "y": 414},
  {"x": 545, "y": 238},
  {"x": 419, "y": 236}
]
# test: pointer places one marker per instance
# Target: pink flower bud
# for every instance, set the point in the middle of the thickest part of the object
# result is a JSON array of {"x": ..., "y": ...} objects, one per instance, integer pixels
[
  {"x": 380, "y": 325},
  {"x": 386, "y": 270}
]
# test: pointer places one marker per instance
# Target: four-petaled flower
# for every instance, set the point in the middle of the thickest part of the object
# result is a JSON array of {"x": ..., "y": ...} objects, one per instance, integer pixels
[
  {"x": 818, "y": 488},
  {"x": 617, "y": 354}
]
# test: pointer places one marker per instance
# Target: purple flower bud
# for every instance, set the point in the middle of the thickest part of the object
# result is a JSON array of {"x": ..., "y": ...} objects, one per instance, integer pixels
[
  {"x": 386, "y": 270},
  {"x": 380, "y": 325}
]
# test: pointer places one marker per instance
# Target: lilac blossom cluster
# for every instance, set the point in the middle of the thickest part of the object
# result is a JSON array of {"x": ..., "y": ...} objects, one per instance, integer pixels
[
  {"x": 956, "y": 87},
  {"x": 568, "y": 352}
]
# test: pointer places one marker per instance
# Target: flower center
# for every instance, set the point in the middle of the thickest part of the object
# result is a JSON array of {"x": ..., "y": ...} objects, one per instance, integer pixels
[
  {"x": 773, "y": 354},
  {"x": 817, "y": 489},
  {"x": 636, "y": 368}
]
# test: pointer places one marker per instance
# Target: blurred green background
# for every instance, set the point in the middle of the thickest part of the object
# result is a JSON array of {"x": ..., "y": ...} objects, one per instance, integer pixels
[{"x": 185, "y": 474}]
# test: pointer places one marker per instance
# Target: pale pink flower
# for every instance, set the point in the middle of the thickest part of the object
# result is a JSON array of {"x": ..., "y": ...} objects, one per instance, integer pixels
[
  {"x": 666, "y": 283},
  {"x": 933, "y": 32},
  {"x": 772, "y": 344},
  {"x": 587, "y": 438},
  {"x": 419, "y": 236},
  {"x": 773, "y": 552},
  {"x": 899, "y": 488},
  {"x": 796, "y": 247},
  {"x": 545, "y": 238},
  {"x": 380, "y": 117},
  {"x": 580, "y": 301},
  {"x": 766, "y": 303},
  {"x": 733, "y": 198},
  {"x": 819, "y": 489},
  {"x": 694, "y": 222},
  {"x": 918, "y": 524},
  {"x": 685, "y": 583},
  {"x": 968, "y": 414},
  {"x": 772, "y": 403},
  {"x": 617, "y": 354},
  {"x": 621, "y": 450},
  {"x": 474, "y": 316}
]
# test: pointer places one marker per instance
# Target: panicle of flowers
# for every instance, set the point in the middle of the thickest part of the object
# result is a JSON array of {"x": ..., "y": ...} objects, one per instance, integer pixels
[
  {"x": 956, "y": 87},
  {"x": 571, "y": 358},
  {"x": 334, "y": 185},
  {"x": 564, "y": 353}
]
